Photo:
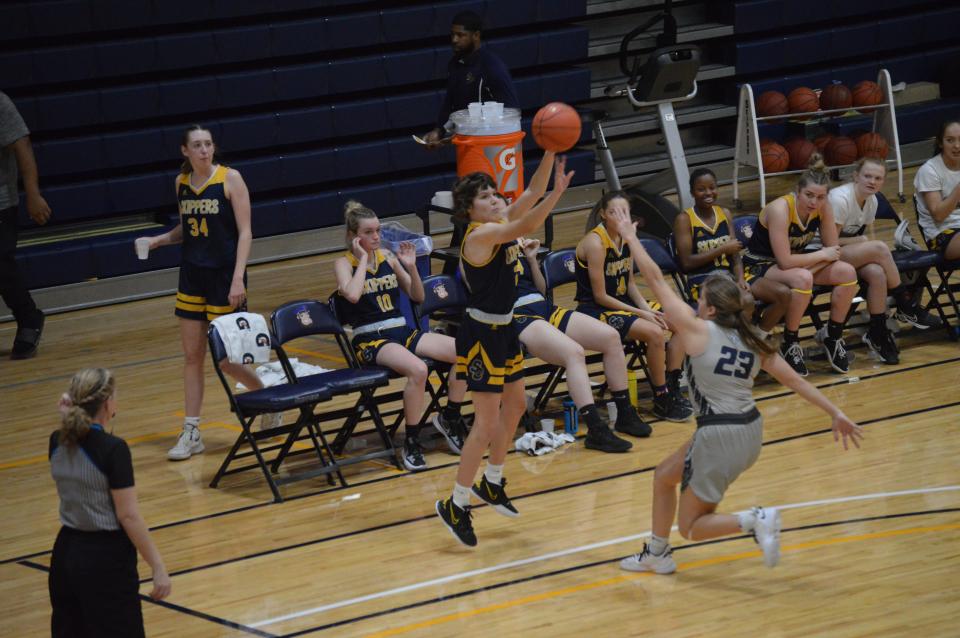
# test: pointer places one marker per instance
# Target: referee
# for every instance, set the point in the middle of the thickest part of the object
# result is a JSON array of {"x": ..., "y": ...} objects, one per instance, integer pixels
[{"x": 94, "y": 585}]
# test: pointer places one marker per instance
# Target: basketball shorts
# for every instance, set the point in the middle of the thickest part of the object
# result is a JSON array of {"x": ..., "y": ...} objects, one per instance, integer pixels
[
  {"x": 754, "y": 269},
  {"x": 368, "y": 345},
  {"x": 718, "y": 454},
  {"x": 488, "y": 356},
  {"x": 619, "y": 320},
  {"x": 203, "y": 293},
  {"x": 942, "y": 240},
  {"x": 541, "y": 310},
  {"x": 695, "y": 283}
]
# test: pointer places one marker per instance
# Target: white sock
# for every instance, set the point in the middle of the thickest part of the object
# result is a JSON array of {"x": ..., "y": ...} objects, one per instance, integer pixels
[
  {"x": 191, "y": 422},
  {"x": 658, "y": 545},
  {"x": 748, "y": 520},
  {"x": 461, "y": 495},
  {"x": 494, "y": 473}
]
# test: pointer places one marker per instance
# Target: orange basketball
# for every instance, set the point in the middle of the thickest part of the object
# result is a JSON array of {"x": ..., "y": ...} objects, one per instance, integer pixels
[
  {"x": 799, "y": 149},
  {"x": 841, "y": 150},
  {"x": 866, "y": 93},
  {"x": 835, "y": 96},
  {"x": 803, "y": 100},
  {"x": 822, "y": 141},
  {"x": 775, "y": 158},
  {"x": 556, "y": 127},
  {"x": 772, "y": 103},
  {"x": 872, "y": 145}
]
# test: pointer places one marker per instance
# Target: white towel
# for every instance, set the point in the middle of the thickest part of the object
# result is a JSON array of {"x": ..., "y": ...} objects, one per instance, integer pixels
[
  {"x": 245, "y": 336},
  {"x": 540, "y": 443},
  {"x": 272, "y": 374}
]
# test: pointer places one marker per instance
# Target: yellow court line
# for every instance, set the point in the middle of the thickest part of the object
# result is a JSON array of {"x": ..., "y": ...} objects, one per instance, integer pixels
[
  {"x": 628, "y": 577},
  {"x": 312, "y": 353}
]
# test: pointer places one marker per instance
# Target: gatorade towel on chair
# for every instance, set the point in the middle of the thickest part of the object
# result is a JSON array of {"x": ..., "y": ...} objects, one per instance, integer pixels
[{"x": 489, "y": 140}]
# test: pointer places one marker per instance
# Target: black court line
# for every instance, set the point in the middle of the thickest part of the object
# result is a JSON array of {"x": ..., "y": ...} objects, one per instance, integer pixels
[
  {"x": 63, "y": 377},
  {"x": 391, "y": 477},
  {"x": 162, "y": 603},
  {"x": 582, "y": 566},
  {"x": 549, "y": 490}
]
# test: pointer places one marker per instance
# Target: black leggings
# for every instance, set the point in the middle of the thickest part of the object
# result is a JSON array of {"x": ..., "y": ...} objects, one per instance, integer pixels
[{"x": 94, "y": 586}]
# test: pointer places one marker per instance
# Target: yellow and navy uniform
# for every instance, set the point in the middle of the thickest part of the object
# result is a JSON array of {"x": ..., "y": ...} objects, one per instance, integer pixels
[
  {"x": 209, "y": 249},
  {"x": 706, "y": 238},
  {"x": 531, "y": 306},
  {"x": 617, "y": 263},
  {"x": 488, "y": 352},
  {"x": 375, "y": 317},
  {"x": 759, "y": 257}
]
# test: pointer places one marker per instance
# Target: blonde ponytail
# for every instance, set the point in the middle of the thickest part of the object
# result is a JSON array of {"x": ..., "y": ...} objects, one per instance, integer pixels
[
  {"x": 353, "y": 212},
  {"x": 89, "y": 390},
  {"x": 723, "y": 294},
  {"x": 816, "y": 173}
]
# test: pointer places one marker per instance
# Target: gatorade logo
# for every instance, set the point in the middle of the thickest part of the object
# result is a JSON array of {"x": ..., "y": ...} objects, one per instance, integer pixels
[{"x": 507, "y": 159}]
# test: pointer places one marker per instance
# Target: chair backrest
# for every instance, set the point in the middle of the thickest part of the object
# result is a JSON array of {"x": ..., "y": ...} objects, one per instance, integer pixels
[
  {"x": 303, "y": 318},
  {"x": 560, "y": 267},
  {"x": 441, "y": 292},
  {"x": 660, "y": 255},
  {"x": 743, "y": 227},
  {"x": 885, "y": 210}
]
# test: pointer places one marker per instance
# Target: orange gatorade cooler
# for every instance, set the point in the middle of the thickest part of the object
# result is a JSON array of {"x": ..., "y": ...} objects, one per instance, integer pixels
[{"x": 489, "y": 140}]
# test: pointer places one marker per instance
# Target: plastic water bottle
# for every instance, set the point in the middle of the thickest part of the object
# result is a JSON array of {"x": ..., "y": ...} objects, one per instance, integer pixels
[{"x": 571, "y": 418}]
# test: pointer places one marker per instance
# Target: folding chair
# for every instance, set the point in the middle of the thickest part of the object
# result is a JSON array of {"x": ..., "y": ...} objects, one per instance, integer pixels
[
  {"x": 249, "y": 405},
  {"x": 305, "y": 318},
  {"x": 945, "y": 270}
]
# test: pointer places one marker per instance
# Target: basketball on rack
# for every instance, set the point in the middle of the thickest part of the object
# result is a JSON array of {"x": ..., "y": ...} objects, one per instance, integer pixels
[
  {"x": 799, "y": 149},
  {"x": 866, "y": 93},
  {"x": 821, "y": 143},
  {"x": 803, "y": 100},
  {"x": 772, "y": 103},
  {"x": 775, "y": 158},
  {"x": 841, "y": 150},
  {"x": 835, "y": 96},
  {"x": 556, "y": 127},
  {"x": 872, "y": 145}
]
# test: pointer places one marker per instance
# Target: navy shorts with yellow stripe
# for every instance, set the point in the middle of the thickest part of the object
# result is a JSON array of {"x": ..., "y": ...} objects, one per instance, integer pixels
[
  {"x": 540, "y": 310},
  {"x": 619, "y": 320},
  {"x": 942, "y": 240},
  {"x": 203, "y": 293},
  {"x": 754, "y": 269},
  {"x": 695, "y": 283},
  {"x": 488, "y": 356},
  {"x": 368, "y": 345}
]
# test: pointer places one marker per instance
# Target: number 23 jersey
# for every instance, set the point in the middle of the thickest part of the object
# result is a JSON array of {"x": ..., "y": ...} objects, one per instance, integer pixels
[
  {"x": 209, "y": 224},
  {"x": 721, "y": 378}
]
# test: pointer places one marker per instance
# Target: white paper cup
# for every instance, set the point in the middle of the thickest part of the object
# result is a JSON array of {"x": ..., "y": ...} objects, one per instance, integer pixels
[
  {"x": 474, "y": 108},
  {"x": 547, "y": 425},
  {"x": 143, "y": 247},
  {"x": 443, "y": 199}
]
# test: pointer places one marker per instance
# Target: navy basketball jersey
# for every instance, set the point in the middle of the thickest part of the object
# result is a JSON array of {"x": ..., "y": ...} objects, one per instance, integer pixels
[
  {"x": 380, "y": 298},
  {"x": 209, "y": 225},
  {"x": 798, "y": 233},
  {"x": 525, "y": 284},
  {"x": 616, "y": 270},
  {"x": 493, "y": 284},
  {"x": 706, "y": 238}
]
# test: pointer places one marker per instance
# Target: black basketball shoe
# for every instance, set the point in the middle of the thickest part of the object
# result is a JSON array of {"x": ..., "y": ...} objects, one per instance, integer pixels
[
  {"x": 629, "y": 422},
  {"x": 458, "y": 521},
  {"x": 495, "y": 496}
]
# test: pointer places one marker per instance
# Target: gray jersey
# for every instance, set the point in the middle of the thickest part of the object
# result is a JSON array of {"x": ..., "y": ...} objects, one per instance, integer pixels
[
  {"x": 721, "y": 378},
  {"x": 12, "y": 128}
]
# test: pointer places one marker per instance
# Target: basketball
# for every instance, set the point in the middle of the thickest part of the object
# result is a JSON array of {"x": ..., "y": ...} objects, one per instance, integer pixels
[
  {"x": 803, "y": 100},
  {"x": 835, "y": 96},
  {"x": 822, "y": 141},
  {"x": 556, "y": 127},
  {"x": 841, "y": 150},
  {"x": 775, "y": 158},
  {"x": 772, "y": 103},
  {"x": 872, "y": 145},
  {"x": 866, "y": 93},
  {"x": 799, "y": 149}
]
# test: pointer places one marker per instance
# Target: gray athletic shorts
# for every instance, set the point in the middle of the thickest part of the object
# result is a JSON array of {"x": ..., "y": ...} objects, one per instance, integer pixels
[{"x": 719, "y": 454}]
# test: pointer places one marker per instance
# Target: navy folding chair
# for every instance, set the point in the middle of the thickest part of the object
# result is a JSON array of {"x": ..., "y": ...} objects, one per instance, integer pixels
[
  {"x": 249, "y": 405},
  {"x": 306, "y": 318}
]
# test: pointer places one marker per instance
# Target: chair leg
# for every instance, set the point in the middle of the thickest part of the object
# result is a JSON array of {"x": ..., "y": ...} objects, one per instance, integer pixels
[
  {"x": 367, "y": 402},
  {"x": 247, "y": 437}
]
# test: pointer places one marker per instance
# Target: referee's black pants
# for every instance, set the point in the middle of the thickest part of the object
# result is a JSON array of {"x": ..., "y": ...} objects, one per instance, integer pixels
[
  {"x": 94, "y": 586},
  {"x": 12, "y": 288}
]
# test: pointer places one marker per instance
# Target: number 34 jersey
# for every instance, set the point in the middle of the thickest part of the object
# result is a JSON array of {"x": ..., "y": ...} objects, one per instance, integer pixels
[
  {"x": 721, "y": 378},
  {"x": 380, "y": 298},
  {"x": 209, "y": 224}
]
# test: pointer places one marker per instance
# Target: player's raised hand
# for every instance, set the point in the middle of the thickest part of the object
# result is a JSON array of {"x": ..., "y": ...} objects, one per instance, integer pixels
[
  {"x": 530, "y": 246},
  {"x": 561, "y": 179},
  {"x": 357, "y": 249},
  {"x": 407, "y": 255}
]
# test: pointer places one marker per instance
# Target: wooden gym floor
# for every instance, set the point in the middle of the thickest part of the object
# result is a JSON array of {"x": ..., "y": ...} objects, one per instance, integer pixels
[{"x": 870, "y": 541}]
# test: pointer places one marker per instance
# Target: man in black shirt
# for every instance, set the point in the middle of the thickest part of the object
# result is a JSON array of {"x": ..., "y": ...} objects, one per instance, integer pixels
[{"x": 471, "y": 64}]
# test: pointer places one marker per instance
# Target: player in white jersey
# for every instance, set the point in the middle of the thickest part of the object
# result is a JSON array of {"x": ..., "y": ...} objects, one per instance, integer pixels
[{"x": 724, "y": 353}]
